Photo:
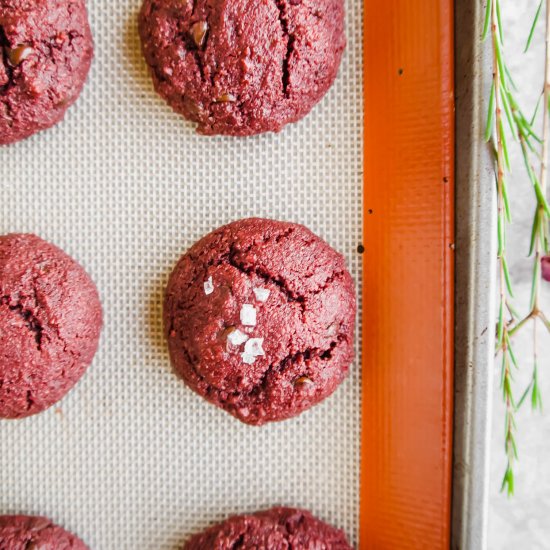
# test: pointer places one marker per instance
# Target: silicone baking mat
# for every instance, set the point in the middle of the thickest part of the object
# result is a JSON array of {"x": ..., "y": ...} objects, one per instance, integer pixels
[
  {"x": 408, "y": 318},
  {"x": 132, "y": 459}
]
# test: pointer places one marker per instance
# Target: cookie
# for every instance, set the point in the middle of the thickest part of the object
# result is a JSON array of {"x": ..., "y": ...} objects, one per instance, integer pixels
[
  {"x": 45, "y": 53},
  {"x": 259, "y": 317},
  {"x": 237, "y": 68},
  {"x": 50, "y": 320},
  {"x": 278, "y": 528},
  {"x": 35, "y": 533}
]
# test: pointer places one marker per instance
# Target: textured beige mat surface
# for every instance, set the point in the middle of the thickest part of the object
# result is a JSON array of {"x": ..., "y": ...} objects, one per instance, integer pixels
[{"x": 132, "y": 459}]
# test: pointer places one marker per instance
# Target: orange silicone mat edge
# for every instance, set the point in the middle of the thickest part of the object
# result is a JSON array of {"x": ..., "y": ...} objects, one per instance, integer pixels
[{"x": 408, "y": 291}]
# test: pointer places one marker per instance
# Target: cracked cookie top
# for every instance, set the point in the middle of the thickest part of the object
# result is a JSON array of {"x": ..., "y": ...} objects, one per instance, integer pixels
[
  {"x": 45, "y": 53},
  {"x": 260, "y": 317},
  {"x": 50, "y": 320},
  {"x": 35, "y": 533},
  {"x": 238, "y": 67},
  {"x": 277, "y": 528}
]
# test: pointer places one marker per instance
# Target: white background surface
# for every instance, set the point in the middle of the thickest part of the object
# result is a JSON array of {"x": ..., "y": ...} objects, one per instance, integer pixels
[
  {"x": 523, "y": 522},
  {"x": 132, "y": 459}
]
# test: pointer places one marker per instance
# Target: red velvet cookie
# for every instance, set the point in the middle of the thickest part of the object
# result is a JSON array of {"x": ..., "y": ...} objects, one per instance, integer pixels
[
  {"x": 35, "y": 533},
  {"x": 240, "y": 68},
  {"x": 50, "y": 320},
  {"x": 45, "y": 53},
  {"x": 275, "y": 529},
  {"x": 259, "y": 317}
]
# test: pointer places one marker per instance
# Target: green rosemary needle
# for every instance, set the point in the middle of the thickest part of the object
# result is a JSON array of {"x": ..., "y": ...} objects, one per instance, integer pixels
[{"x": 504, "y": 105}]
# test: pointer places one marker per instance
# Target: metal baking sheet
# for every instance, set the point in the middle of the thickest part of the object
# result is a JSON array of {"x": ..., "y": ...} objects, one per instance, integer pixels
[
  {"x": 131, "y": 459},
  {"x": 475, "y": 282}
]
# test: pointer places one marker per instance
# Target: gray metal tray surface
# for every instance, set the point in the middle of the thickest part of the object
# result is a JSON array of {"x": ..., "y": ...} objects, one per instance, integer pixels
[{"x": 475, "y": 281}]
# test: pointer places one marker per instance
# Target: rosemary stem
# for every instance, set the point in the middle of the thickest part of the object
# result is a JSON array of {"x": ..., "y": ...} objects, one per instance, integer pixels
[
  {"x": 502, "y": 101},
  {"x": 520, "y": 324},
  {"x": 546, "y": 116},
  {"x": 540, "y": 246},
  {"x": 535, "y": 342},
  {"x": 543, "y": 318},
  {"x": 516, "y": 328},
  {"x": 503, "y": 328},
  {"x": 500, "y": 151}
]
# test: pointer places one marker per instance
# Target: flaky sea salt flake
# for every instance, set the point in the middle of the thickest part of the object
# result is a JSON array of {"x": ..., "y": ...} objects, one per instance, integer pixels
[
  {"x": 208, "y": 286},
  {"x": 237, "y": 337},
  {"x": 262, "y": 294},
  {"x": 248, "y": 359},
  {"x": 252, "y": 349},
  {"x": 248, "y": 315}
]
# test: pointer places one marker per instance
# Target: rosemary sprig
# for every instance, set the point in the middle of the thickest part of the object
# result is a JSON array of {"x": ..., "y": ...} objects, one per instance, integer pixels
[{"x": 503, "y": 105}]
